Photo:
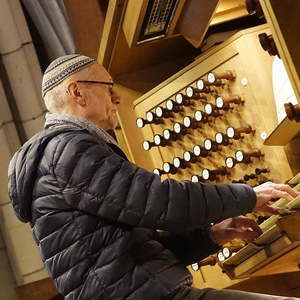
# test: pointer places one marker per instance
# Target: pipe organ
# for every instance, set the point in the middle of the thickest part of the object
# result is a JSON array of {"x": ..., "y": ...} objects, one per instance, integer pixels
[
  {"x": 213, "y": 117},
  {"x": 209, "y": 123}
]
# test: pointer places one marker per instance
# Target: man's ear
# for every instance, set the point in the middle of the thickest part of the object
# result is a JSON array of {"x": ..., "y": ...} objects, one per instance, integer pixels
[{"x": 74, "y": 91}]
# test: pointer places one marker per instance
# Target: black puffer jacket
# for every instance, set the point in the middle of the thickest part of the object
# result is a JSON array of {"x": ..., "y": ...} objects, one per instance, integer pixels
[{"x": 94, "y": 217}]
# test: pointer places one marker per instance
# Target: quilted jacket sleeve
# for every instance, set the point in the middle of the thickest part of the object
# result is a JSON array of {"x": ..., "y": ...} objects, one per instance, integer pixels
[
  {"x": 95, "y": 180},
  {"x": 191, "y": 246}
]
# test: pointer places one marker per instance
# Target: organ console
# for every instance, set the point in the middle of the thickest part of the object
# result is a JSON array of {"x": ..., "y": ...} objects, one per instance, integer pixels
[{"x": 208, "y": 109}]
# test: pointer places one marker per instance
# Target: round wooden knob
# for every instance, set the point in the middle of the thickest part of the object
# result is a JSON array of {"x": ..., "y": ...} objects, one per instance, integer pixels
[
  {"x": 148, "y": 145},
  {"x": 159, "y": 140},
  {"x": 212, "y": 174},
  {"x": 200, "y": 151},
  {"x": 254, "y": 7},
  {"x": 161, "y": 112},
  {"x": 268, "y": 44},
  {"x": 215, "y": 79},
  {"x": 179, "y": 129},
  {"x": 230, "y": 162},
  {"x": 169, "y": 168},
  {"x": 179, "y": 163},
  {"x": 190, "y": 157},
  {"x": 196, "y": 178},
  {"x": 222, "y": 139},
  {"x": 150, "y": 116},
  {"x": 188, "y": 122},
  {"x": 140, "y": 122},
  {"x": 210, "y": 145},
  {"x": 226, "y": 252},
  {"x": 194, "y": 93},
  {"x": 248, "y": 177},
  {"x": 203, "y": 86},
  {"x": 292, "y": 111},
  {"x": 224, "y": 103},
  {"x": 238, "y": 181},
  {"x": 158, "y": 171},
  {"x": 243, "y": 156},
  {"x": 182, "y": 99},
  {"x": 172, "y": 106},
  {"x": 235, "y": 133},
  {"x": 195, "y": 267},
  {"x": 259, "y": 171},
  {"x": 170, "y": 135},
  {"x": 212, "y": 110},
  {"x": 200, "y": 116}
]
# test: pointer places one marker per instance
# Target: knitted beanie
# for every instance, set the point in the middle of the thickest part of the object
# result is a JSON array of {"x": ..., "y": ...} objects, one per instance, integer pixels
[{"x": 63, "y": 67}]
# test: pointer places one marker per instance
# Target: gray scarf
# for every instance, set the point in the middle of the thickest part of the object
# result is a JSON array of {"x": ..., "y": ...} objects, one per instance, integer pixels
[{"x": 63, "y": 120}]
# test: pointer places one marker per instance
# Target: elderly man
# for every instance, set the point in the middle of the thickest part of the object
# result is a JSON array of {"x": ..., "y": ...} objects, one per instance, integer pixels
[{"x": 95, "y": 216}]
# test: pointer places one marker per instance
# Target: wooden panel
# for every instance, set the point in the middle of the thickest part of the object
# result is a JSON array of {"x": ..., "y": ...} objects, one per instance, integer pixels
[
  {"x": 287, "y": 41},
  {"x": 133, "y": 20},
  {"x": 89, "y": 14},
  {"x": 229, "y": 10},
  {"x": 39, "y": 290},
  {"x": 283, "y": 133},
  {"x": 194, "y": 20},
  {"x": 114, "y": 16},
  {"x": 285, "y": 35},
  {"x": 288, "y": 262}
]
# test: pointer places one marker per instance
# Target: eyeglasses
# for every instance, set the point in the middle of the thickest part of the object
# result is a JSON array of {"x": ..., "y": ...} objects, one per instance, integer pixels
[{"x": 97, "y": 82}]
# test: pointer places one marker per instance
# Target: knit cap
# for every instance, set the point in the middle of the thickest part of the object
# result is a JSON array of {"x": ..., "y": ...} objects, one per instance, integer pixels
[{"x": 61, "y": 68}]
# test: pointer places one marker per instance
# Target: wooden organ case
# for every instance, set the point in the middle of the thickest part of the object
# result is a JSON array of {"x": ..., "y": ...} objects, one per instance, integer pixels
[{"x": 214, "y": 121}]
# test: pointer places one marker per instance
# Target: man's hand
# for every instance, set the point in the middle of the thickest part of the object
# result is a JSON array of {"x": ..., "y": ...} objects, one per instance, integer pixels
[
  {"x": 237, "y": 227},
  {"x": 272, "y": 191}
]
